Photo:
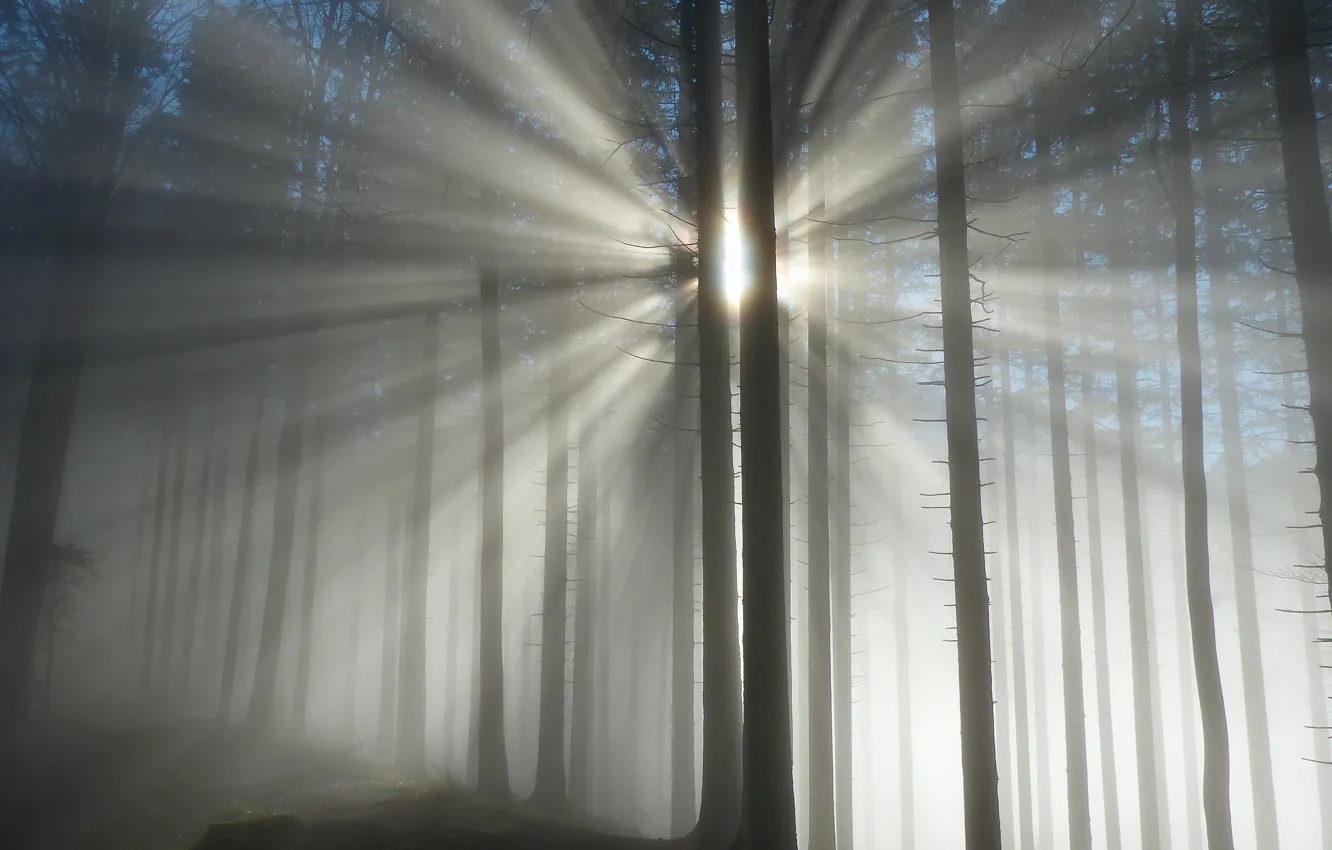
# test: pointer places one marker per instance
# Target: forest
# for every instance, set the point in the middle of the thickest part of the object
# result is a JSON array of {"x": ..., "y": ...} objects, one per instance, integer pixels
[{"x": 626, "y": 424}]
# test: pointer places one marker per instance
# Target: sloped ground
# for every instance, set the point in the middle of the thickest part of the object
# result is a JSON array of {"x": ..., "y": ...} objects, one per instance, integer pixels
[{"x": 160, "y": 788}]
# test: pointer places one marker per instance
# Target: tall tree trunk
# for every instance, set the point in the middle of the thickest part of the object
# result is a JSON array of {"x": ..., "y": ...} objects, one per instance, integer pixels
[
  {"x": 1075, "y": 716},
  {"x": 152, "y": 607},
  {"x": 1202, "y": 622},
  {"x": 388, "y": 665},
  {"x": 586, "y": 596},
  {"x": 263, "y": 696},
  {"x": 1022, "y": 728},
  {"x": 1306, "y": 211},
  {"x": 906, "y": 772},
  {"x": 980, "y": 773},
  {"x": 822, "y": 824},
  {"x": 1042, "y": 709},
  {"x": 550, "y": 789},
  {"x": 1128, "y": 414},
  {"x": 409, "y": 755},
  {"x": 171, "y": 593},
  {"x": 840, "y": 507},
  {"x": 492, "y": 756},
  {"x": 217, "y": 522},
  {"x": 769, "y": 798},
  {"x": 720, "y": 801},
  {"x": 682, "y": 572},
  {"x": 244, "y": 556},
  {"x": 310, "y": 577},
  {"x": 195, "y": 582},
  {"x": 1105, "y": 728},
  {"x": 351, "y": 663},
  {"x": 1319, "y": 719},
  {"x": 1237, "y": 492},
  {"x": 998, "y": 638}
]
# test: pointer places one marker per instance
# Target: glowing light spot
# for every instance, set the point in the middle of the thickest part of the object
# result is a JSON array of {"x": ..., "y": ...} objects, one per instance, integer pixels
[{"x": 733, "y": 273}]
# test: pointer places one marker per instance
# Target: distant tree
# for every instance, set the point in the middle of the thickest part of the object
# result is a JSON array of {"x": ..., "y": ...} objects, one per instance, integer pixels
[{"x": 73, "y": 566}]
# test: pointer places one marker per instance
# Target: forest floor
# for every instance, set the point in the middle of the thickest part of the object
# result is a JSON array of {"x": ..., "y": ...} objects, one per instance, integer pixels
[{"x": 179, "y": 787}]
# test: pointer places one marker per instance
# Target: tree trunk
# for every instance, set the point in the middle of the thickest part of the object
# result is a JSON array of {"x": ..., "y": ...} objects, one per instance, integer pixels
[
  {"x": 980, "y": 774},
  {"x": 171, "y": 593},
  {"x": 409, "y": 755},
  {"x": 906, "y": 772},
  {"x": 310, "y": 578},
  {"x": 822, "y": 824},
  {"x": 1319, "y": 719},
  {"x": 1022, "y": 729},
  {"x": 351, "y": 663},
  {"x": 840, "y": 507},
  {"x": 550, "y": 791},
  {"x": 1202, "y": 624},
  {"x": 1237, "y": 495},
  {"x": 769, "y": 799},
  {"x": 1041, "y": 710},
  {"x": 213, "y": 594},
  {"x": 720, "y": 801},
  {"x": 682, "y": 573},
  {"x": 388, "y": 665},
  {"x": 998, "y": 638},
  {"x": 170, "y": 428},
  {"x": 1306, "y": 211},
  {"x": 244, "y": 553},
  {"x": 1075, "y": 717},
  {"x": 492, "y": 757},
  {"x": 586, "y": 596},
  {"x": 193, "y": 585}
]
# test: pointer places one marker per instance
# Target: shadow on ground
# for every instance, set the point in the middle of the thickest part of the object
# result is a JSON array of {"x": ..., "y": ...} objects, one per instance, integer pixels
[{"x": 199, "y": 786}]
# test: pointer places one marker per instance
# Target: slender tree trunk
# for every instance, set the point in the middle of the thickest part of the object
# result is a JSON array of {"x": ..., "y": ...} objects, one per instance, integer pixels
[
  {"x": 720, "y": 801},
  {"x": 1319, "y": 720},
  {"x": 1096, "y": 578},
  {"x": 586, "y": 596},
  {"x": 152, "y": 606},
  {"x": 310, "y": 578},
  {"x": 388, "y": 666},
  {"x": 195, "y": 581},
  {"x": 998, "y": 570},
  {"x": 980, "y": 774},
  {"x": 550, "y": 772},
  {"x": 171, "y": 592},
  {"x": 1128, "y": 413},
  {"x": 492, "y": 756},
  {"x": 822, "y": 824},
  {"x": 1202, "y": 622},
  {"x": 769, "y": 798},
  {"x": 1075, "y": 716},
  {"x": 213, "y": 594},
  {"x": 1041, "y": 711},
  {"x": 682, "y": 573},
  {"x": 1306, "y": 211},
  {"x": 906, "y": 773},
  {"x": 1022, "y": 728},
  {"x": 409, "y": 755},
  {"x": 351, "y": 664},
  {"x": 244, "y": 555},
  {"x": 840, "y": 507},
  {"x": 1237, "y": 498}
]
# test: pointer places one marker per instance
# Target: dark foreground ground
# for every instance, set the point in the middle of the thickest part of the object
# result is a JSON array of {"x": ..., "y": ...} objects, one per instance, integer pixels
[{"x": 179, "y": 787}]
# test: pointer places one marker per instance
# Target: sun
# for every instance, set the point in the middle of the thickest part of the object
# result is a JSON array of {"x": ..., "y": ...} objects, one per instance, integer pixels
[{"x": 733, "y": 271}]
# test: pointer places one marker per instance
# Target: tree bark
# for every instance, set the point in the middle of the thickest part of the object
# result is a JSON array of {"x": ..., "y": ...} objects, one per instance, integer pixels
[
  {"x": 721, "y": 798},
  {"x": 550, "y": 791},
  {"x": 492, "y": 755},
  {"x": 1306, "y": 211},
  {"x": 980, "y": 775},
  {"x": 586, "y": 597},
  {"x": 682, "y": 573},
  {"x": 769, "y": 798},
  {"x": 409, "y": 755},
  {"x": 840, "y": 507},
  {"x": 1202, "y": 622}
]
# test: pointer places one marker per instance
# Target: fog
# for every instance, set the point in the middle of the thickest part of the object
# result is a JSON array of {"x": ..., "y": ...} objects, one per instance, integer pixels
[{"x": 364, "y": 424}]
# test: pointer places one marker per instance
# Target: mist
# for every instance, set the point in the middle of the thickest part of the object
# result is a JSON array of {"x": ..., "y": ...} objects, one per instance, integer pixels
[{"x": 557, "y": 423}]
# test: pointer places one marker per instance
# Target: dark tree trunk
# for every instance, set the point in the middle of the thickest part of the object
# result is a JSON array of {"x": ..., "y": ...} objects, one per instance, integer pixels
[
  {"x": 193, "y": 585},
  {"x": 1306, "y": 211},
  {"x": 822, "y": 824},
  {"x": 410, "y": 753},
  {"x": 586, "y": 596},
  {"x": 1012, "y": 534},
  {"x": 1075, "y": 718},
  {"x": 721, "y": 798},
  {"x": 388, "y": 665},
  {"x": 168, "y": 674},
  {"x": 1202, "y": 622},
  {"x": 980, "y": 775},
  {"x": 840, "y": 508},
  {"x": 1003, "y": 705},
  {"x": 1237, "y": 494},
  {"x": 310, "y": 578},
  {"x": 550, "y": 791},
  {"x": 683, "y": 810},
  {"x": 769, "y": 799},
  {"x": 263, "y": 696},
  {"x": 244, "y": 555},
  {"x": 492, "y": 756}
]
